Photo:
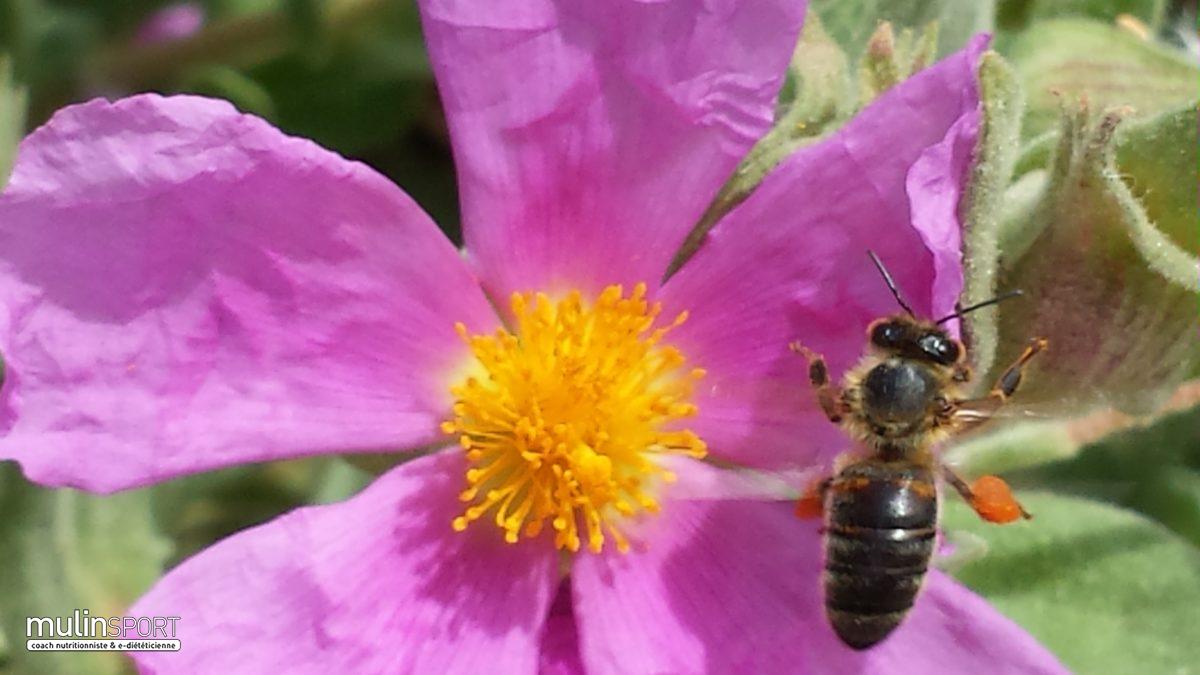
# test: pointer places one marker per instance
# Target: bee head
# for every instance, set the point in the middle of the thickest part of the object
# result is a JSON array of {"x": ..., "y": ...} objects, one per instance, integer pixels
[{"x": 907, "y": 338}]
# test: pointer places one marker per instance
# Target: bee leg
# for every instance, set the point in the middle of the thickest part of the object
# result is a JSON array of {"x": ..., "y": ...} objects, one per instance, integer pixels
[
  {"x": 812, "y": 503},
  {"x": 828, "y": 395},
  {"x": 990, "y": 496},
  {"x": 966, "y": 414},
  {"x": 1011, "y": 378}
]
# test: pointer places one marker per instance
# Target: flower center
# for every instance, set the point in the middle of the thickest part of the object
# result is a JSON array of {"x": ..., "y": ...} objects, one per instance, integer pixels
[{"x": 569, "y": 415}]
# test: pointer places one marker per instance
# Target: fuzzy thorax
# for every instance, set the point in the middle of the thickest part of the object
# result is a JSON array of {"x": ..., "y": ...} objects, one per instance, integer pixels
[{"x": 896, "y": 406}]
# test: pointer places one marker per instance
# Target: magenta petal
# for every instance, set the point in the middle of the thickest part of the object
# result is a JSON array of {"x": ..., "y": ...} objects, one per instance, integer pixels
[
  {"x": 590, "y": 137},
  {"x": 791, "y": 263},
  {"x": 559, "y": 654},
  {"x": 185, "y": 287},
  {"x": 376, "y": 584},
  {"x": 954, "y": 630},
  {"x": 734, "y": 587}
]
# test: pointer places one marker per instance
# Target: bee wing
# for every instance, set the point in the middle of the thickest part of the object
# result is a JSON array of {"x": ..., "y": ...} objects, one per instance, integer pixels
[
  {"x": 1026, "y": 412},
  {"x": 977, "y": 411},
  {"x": 971, "y": 413}
]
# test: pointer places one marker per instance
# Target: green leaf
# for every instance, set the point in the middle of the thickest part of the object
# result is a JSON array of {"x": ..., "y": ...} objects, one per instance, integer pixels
[
  {"x": 1076, "y": 59},
  {"x": 1158, "y": 157},
  {"x": 1115, "y": 296},
  {"x": 852, "y": 22},
  {"x": 306, "y": 18},
  {"x": 340, "y": 480},
  {"x": 890, "y": 59},
  {"x": 12, "y": 121},
  {"x": 1152, "y": 467},
  {"x": 349, "y": 101},
  {"x": 1140, "y": 442},
  {"x": 196, "y": 511},
  {"x": 65, "y": 550},
  {"x": 1015, "y": 446},
  {"x": 355, "y": 91},
  {"x": 1017, "y": 212},
  {"x": 821, "y": 91},
  {"x": 1171, "y": 495},
  {"x": 995, "y": 156},
  {"x": 879, "y": 68},
  {"x": 1106, "y": 590}
]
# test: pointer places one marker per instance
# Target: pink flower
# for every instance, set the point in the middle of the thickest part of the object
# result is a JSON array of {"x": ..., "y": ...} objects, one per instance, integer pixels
[
  {"x": 187, "y": 288},
  {"x": 173, "y": 22}
]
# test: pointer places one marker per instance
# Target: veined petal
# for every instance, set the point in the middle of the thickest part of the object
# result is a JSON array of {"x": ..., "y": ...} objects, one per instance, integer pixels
[
  {"x": 559, "y": 653},
  {"x": 735, "y": 586},
  {"x": 376, "y": 584},
  {"x": 187, "y": 288},
  {"x": 791, "y": 263},
  {"x": 590, "y": 137}
]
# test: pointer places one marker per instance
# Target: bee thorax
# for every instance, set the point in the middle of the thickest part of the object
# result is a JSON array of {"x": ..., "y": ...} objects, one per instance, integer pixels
[{"x": 898, "y": 392}]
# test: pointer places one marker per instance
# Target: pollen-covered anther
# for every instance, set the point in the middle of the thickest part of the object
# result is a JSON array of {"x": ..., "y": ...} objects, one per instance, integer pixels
[{"x": 564, "y": 426}]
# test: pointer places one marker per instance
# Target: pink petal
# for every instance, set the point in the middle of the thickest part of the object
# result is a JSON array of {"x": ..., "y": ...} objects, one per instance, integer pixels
[
  {"x": 559, "y": 654},
  {"x": 729, "y": 587},
  {"x": 960, "y": 632},
  {"x": 589, "y": 138},
  {"x": 376, "y": 584},
  {"x": 188, "y": 288},
  {"x": 791, "y": 263}
]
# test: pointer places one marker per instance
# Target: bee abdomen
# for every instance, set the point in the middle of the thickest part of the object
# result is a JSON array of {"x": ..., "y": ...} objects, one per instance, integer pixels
[{"x": 879, "y": 539}]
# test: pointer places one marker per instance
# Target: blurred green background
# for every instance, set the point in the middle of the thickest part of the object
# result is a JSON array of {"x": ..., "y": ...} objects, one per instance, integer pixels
[{"x": 1108, "y": 575}]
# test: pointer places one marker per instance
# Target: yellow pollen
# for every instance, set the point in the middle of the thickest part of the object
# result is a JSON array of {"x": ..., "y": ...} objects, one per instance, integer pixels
[{"x": 565, "y": 422}]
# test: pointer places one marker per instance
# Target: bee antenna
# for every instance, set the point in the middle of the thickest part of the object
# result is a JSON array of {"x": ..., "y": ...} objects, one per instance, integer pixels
[
  {"x": 1015, "y": 293},
  {"x": 891, "y": 283}
]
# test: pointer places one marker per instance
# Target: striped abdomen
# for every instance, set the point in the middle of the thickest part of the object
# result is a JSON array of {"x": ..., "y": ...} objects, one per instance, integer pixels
[{"x": 879, "y": 535}]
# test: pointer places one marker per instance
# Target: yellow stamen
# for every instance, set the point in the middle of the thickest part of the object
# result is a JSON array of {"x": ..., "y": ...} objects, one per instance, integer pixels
[{"x": 566, "y": 421}]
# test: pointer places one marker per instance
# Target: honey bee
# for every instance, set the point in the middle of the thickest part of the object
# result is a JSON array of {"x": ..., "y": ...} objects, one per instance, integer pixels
[{"x": 904, "y": 397}]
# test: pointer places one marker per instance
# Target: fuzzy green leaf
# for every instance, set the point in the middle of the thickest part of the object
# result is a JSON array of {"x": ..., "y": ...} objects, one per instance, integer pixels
[
  {"x": 995, "y": 156},
  {"x": 1115, "y": 296},
  {"x": 1076, "y": 59},
  {"x": 65, "y": 550},
  {"x": 1108, "y": 591},
  {"x": 1152, "y": 468},
  {"x": 821, "y": 92},
  {"x": 890, "y": 59},
  {"x": 852, "y": 22},
  {"x": 1158, "y": 156},
  {"x": 1145, "y": 440},
  {"x": 1015, "y": 446}
]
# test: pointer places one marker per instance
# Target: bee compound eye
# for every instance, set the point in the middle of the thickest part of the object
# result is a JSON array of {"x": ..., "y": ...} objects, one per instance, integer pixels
[
  {"x": 939, "y": 348},
  {"x": 951, "y": 351},
  {"x": 887, "y": 335}
]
